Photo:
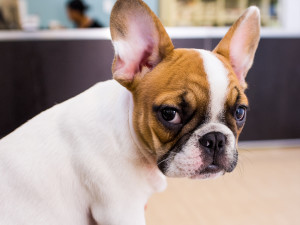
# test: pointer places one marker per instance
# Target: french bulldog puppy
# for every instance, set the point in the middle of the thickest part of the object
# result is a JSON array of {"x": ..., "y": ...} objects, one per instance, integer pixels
[{"x": 96, "y": 158}]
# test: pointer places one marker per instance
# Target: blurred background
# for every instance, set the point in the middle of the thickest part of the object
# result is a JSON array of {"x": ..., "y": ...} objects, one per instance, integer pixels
[
  {"x": 53, "y": 50},
  {"x": 37, "y": 14}
]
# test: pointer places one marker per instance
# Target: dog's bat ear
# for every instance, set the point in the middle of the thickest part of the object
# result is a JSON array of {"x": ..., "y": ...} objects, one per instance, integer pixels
[
  {"x": 240, "y": 43},
  {"x": 139, "y": 39}
]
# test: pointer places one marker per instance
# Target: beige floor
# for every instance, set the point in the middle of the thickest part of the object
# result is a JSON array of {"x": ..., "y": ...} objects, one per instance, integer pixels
[{"x": 263, "y": 190}]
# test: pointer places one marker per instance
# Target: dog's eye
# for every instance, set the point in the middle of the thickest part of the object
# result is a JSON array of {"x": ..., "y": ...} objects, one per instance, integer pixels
[
  {"x": 240, "y": 113},
  {"x": 171, "y": 115}
]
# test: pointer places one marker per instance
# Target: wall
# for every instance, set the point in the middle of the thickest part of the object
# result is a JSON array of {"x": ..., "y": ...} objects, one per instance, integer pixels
[
  {"x": 55, "y": 10},
  {"x": 36, "y": 75}
]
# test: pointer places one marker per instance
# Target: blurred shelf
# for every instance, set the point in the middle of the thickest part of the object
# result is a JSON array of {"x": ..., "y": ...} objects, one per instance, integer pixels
[
  {"x": 219, "y": 32},
  {"x": 68, "y": 34},
  {"x": 104, "y": 34}
]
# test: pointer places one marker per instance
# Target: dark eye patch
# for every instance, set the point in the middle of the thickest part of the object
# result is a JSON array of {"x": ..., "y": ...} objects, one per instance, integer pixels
[
  {"x": 229, "y": 118},
  {"x": 186, "y": 112},
  {"x": 186, "y": 109},
  {"x": 191, "y": 116}
]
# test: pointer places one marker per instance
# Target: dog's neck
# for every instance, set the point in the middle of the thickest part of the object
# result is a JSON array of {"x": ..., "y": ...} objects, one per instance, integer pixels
[
  {"x": 124, "y": 105},
  {"x": 141, "y": 150},
  {"x": 157, "y": 179}
]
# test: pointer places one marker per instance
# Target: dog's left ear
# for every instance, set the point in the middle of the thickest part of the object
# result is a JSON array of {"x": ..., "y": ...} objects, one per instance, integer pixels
[
  {"x": 240, "y": 43},
  {"x": 139, "y": 39}
]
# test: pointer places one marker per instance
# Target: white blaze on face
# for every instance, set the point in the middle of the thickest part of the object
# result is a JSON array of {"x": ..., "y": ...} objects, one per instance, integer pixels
[{"x": 217, "y": 77}]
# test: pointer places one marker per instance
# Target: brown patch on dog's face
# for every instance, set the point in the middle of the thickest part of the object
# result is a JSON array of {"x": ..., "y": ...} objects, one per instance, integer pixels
[{"x": 178, "y": 82}]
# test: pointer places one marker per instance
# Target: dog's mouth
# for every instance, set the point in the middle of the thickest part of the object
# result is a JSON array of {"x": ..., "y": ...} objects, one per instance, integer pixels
[
  {"x": 211, "y": 171},
  {"x": 212, "y": 168}
]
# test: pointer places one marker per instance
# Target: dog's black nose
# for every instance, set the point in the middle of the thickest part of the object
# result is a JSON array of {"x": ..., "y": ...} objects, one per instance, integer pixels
[{"x": 213, "y": 142}]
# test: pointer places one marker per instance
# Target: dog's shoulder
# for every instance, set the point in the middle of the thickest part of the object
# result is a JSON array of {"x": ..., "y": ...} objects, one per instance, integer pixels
[{"x": 63, "y": 118}]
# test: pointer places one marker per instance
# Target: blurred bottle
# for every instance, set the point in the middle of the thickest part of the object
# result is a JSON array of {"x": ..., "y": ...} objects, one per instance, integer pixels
[
  {"x": 55, "y": 25},
  {"x": 31, "y": 23}
]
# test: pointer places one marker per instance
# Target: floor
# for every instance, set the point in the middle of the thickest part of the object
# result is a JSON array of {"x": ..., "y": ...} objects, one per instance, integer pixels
[{"x": 263, "y": 190}]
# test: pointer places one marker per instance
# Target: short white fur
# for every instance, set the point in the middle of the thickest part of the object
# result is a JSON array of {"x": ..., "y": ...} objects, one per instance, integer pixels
[{"x": 75, "y": 161}]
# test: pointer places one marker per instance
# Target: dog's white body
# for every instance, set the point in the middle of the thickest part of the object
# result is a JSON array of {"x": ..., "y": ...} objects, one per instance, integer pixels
[
  {"x": 77, "y": 161},
  {"x": 96, "y": 159}
]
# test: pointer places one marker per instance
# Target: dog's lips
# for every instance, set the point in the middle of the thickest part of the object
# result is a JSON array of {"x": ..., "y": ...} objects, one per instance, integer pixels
[
  {"x": 209, "y": 172},
  {"x": 212, "y": 168}
]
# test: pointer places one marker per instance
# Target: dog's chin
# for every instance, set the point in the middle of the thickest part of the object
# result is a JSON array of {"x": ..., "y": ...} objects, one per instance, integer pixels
[{"x": 210, "y": 172}]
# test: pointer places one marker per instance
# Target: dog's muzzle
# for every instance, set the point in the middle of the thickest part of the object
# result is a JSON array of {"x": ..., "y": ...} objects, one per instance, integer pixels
[{"x": 208, "y": 152}]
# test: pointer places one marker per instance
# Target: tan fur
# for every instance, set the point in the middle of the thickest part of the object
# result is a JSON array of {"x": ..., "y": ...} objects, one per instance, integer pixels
[
  {"x": 181, "y": 72},
  {"x": 232, "y": 95}
]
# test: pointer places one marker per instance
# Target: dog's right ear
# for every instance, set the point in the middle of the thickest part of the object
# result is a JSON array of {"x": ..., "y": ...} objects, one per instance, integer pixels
[{"x": 139, "y": 39}]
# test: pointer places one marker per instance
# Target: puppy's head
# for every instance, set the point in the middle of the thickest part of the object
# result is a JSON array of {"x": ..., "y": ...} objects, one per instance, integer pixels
[{"x": 189, "y": 104}]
